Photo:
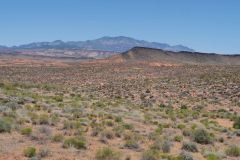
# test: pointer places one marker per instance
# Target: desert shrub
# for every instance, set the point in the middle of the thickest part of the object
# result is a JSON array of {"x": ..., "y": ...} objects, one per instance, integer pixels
[
  {"x": 181, "y": 126},
  {"x": 58, "y": 138},
  {"x": 221, "y": 139},
  {"x": 26, "y": 131},
  {"x": 95, "y": 131},
  {"x": 76, "y": 142},
  {"x": 214, "y": 155},
  {"x": 202, "y": 136},
  {"x": 166, "y": 146},
  {"x": 109, "y": 123},
  {"x": 107, "y": 154},
  {"x": 193, "y": 126},
  {"x": 163, "y": 105},
  {"x": 151, "y": 154},
  {"x": 43, "y": 119},
  {"x": 128, "y": 126},
  {"x": 68, "y": 124},
  {"x": 128, "y": 157},
  {"x": 54, "y": 119},
  {"x": 105, "y": 135},
  {"x": 44, "y": 152},
  {"x": 9, "y": 87},
  {"x": 30, "y": 152},
  {"x": 189, "y": 146},
  {"x": 12, "y": 105},
  {"x": 131, "y": 144},
  {"x": 157, "y": 144},
  {"x": 42, "y": 134},
  {"x": 178, "y": 138},
  {"x": 184, "y": 107},
  {"x": 155, "y": 135},
  {"x": 118, "y": 119},
  {"x": 236, "y": 123},
  {"x": 58, "y": 98},
  {"x": 34, "y": 117},
  {"x": 233, "y": 151},
  {"x": 45, "y": 130},
  {"x": 187, "y": 132},
  {"x": 185, "y": 156},
  {"x": 118, "y": 130},
  {"x": 5, "y": 126}
]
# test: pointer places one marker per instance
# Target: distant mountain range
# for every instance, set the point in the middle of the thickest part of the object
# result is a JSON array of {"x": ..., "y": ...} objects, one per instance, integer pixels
[{"x": 112, "y": 44}]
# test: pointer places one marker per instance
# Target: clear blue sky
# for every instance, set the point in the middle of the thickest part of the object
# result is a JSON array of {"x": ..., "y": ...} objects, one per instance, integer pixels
[{"x": 204, "y": 25}]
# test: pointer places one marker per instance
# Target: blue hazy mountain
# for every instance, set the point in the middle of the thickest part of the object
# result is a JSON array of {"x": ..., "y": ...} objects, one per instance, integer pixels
[{"x": 115, "y": 44}]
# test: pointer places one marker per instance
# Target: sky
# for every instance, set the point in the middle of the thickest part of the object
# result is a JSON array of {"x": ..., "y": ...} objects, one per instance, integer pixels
[{"x": 204, "y": 25}]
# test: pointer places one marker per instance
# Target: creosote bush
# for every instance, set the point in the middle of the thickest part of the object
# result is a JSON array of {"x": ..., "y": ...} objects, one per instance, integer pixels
[
  {"x": 26, "y": 131},
  {"x": 30, "y": 152},
  {"x": 202, "y": 136}
]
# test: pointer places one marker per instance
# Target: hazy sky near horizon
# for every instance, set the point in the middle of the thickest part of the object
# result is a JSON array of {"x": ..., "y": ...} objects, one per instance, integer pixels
[{"x": 204, "y": 25}]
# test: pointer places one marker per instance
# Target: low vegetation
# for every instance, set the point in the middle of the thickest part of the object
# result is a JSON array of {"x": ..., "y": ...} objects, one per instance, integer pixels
[
  {"x": 119, "y": 112},
  {"x": 107, "y": 154}
]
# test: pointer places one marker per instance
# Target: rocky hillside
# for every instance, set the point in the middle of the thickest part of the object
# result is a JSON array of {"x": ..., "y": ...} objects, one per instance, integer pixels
[{"x": 156, "y": 55}]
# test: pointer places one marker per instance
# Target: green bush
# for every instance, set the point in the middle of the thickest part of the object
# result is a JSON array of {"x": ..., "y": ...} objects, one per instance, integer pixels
[
  {"x": 30, "y": 152},
  {"x": 43, "y": 119},
  {"x": 118, "y": 119},
  {"x": 233, "y": 151},
  {"x": 26, "y": 131},
  {"x": 189, "y": 146},
  {"x": 128, "y": 126},
  {"x": 178, "y": 138},
  {"x": 5, "y": 126},
  {"x": 131, "y": 144},
  {"x": 202, "y": 136},
  {"x": 151, "y": 154},
  {"x": 212, "y": 157},
  {"x": 107, "y": 154},
  {"x": 58, "y": 138},
  {"x": 181, "y": 126},
  {"x": 236, "y": 123},
  {"x": 58, "y": 98},
  {"x": 76, "y": 142}
]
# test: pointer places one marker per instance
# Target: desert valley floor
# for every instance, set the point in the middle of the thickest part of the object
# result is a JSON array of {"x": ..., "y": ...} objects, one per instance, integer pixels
[{"x": 98, "y": 110}]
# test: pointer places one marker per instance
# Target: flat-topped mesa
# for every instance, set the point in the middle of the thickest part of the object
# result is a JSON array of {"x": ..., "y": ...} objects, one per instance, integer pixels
[{"x": 142, "y": 54}]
